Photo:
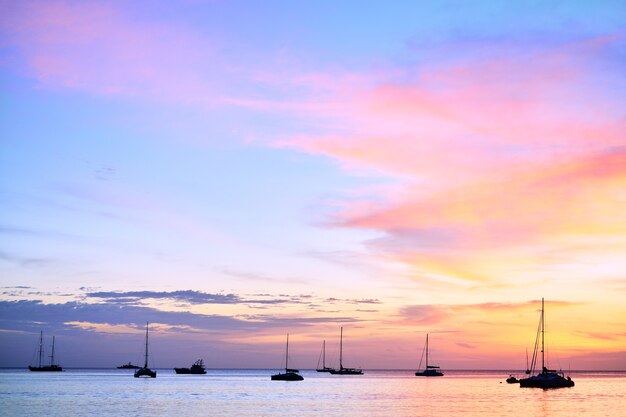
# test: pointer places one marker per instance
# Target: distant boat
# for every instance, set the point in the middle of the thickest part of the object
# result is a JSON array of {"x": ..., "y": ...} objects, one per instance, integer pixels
[
  {"x": 512, "y": 379},
  {"x": 547, "y": 378},
  {"x": 145, "y": 371},
  {"x": 42, "y": 368},
  {"x": 196, "y": 369},
  {"x": 342, "y": 370},
  {"x": 128, "y": 366},
  {"x": 290, "y": 373},
  {"x": 324, "y": 368},
  {"x": 430, "y": 370}
]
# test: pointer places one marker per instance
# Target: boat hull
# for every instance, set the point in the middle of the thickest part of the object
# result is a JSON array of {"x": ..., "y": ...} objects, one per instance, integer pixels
[
  {"x": 129, "y": 366},
  {"x": 189, "y": 371},
  {"x": 287, "y": 376},
  {"x": 346, "y": 371},
  {"x": 546, "y": 381},
  {"x": 53, "y": 368},
  {"x": 429, "y": 372},
  {"x": 145, "y": 373},
  {"x": 325, "y": 370}
]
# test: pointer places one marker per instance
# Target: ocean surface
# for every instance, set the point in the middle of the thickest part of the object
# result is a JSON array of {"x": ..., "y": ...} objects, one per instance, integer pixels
[{"x": 243, "y": 393}]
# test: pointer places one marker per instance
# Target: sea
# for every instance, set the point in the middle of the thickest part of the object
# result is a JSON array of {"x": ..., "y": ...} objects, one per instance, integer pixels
[{"x": 251, "y": 393}]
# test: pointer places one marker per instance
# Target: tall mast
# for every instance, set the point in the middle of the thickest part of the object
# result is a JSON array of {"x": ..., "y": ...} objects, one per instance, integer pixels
[
  {"x": 287, "y": 355},
  {"x": 52, "y": 355},
  {"x": 426, "y": 350},
  {"x": 341, "y": 350},
  {"x": 543, "y": 365},
  {"x": 146, "y": 355},
  {"x": 40, "y": 347},
  {"x": 324, "y": 354}
]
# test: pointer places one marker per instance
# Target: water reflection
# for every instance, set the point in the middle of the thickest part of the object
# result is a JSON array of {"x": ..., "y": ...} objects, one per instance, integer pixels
[{"x": 251, "y": 393}]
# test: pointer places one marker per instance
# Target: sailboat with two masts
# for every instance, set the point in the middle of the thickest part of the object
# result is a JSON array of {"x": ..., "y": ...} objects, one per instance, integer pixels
[
  {"x": 342, "y": 370},
  {"x": 324, "y": 368},
  {"x": 547, "y": 378},
  {"x": 430, "y": 370},
  {"x": 290, "y": 374},
  {"x": 41, "y": 367},
  {"x": 145, "y": 372}
]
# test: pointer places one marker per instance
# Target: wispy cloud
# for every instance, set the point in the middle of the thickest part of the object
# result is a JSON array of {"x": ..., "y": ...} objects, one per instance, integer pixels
[
  {"x": 96, "y": 48},
  {"x": 251, "y": 276},
  {"x": 433, "y": 314},
  {"x": 197, "y": 297},
  {"x": 23, "y": 261},
  {"x": 189, "y": 296},
  {"x": 333, "y": 300},
  {"x": 31, "y": 314},
  {"x": 443, "y": 128}
]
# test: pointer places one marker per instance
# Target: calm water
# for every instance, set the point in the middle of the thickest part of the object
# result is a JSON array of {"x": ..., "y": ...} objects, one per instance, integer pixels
[{"x": 243, "y": 393}]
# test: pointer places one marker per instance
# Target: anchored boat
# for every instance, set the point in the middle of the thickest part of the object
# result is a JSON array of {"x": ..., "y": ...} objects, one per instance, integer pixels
[
  {"x": 145, "y": 372},
  {"x": 128, "y": 366},
  {"x": 512, "y": 379},
  {"x": 342, "y": 370},
  {"x": 290, "y": 374},
  {"x": 547, "y": 378},
  {"x": 43, "y": 368},
  {"x": 430, "y": 370},
  {"x": 324, "y": 368},
  {"x": 196, "y": 369}
]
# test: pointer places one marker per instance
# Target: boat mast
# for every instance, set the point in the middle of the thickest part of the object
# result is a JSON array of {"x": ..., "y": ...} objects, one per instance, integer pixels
[
  {"x": 341, "y": 349},
  {"x": 52, "y": 355},
  {"x": 426, "y": 350},
  {"x": 543, "y": 365},
  {"x": 40, "y": 347},
  {"x": 287, "y": 355},
  {"x": 146, "y": 355},
  {"x": 324, "y": 354}
]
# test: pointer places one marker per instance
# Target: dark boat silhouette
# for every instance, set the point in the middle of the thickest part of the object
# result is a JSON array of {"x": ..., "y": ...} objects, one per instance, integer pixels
[
  {"x": 512, "y": 379},
  {"x": 128, "y": 366},
  {"x": 547, "y": 378},
  {"x": 343, "y": 370},
  {"x": 43, "y": 368},
  {"x": 324, "y": 368},
  {"x": 430, "y": 370},
  {"x": 196, "y": 369},
  {"x": 145, "y": 372},
  {"x": 290, "y": 374}
]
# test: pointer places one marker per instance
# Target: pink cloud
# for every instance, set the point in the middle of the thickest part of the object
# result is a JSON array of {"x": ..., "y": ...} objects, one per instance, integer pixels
[
  {"x": 496, "y": 158},
  {"x": 93, "y": 47}
]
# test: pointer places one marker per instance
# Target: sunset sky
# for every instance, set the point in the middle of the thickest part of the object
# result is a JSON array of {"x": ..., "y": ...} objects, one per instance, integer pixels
[{"x": 233, "y": 171}]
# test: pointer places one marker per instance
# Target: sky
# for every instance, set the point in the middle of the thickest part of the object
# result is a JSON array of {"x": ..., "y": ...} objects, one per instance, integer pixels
[{"x": 234, "y": 171}]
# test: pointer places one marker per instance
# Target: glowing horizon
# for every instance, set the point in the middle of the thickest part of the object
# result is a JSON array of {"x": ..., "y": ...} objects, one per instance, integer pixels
[{"x": 234, "y": 174}]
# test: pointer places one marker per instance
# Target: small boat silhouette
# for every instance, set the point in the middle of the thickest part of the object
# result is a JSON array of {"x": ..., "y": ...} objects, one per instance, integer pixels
[
  {"x": 547, "y": 378},
  {"x": 430, "y": 370},
  {"x": 128, "y": 366},
  {"x": 324, "y": 368},
  {"x": 342, "y": 370},
  {"x": 43, "y": 368},
  {"x": 145, "y": 372},
  {"x": 196, "y": 369},
  {"x": 290, "y": 374}
]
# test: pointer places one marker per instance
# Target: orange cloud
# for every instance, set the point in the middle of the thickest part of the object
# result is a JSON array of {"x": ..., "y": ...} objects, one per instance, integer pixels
[{"x": 499, "y": 160}]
